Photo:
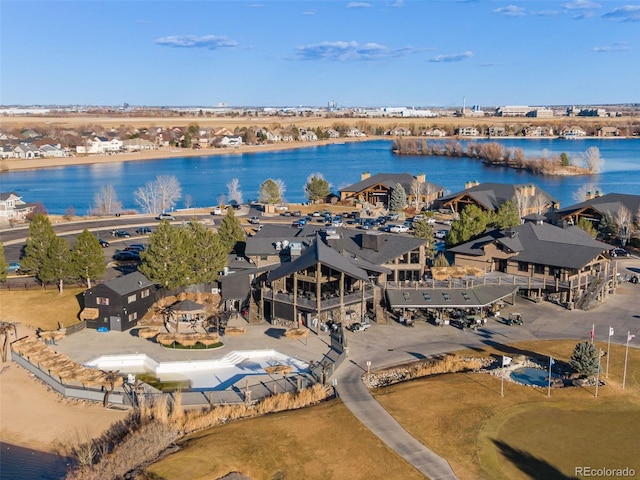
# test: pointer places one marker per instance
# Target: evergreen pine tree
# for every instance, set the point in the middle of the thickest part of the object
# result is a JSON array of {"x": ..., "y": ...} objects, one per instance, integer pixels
[
  {"x": 398, "y": 200},
  {"x": 472, "y": 222},
  {"x": 317, "y": 188},
  {"x": 207, "y": 253},
  {"x": 269, "y": 192},
  {"x": 41, "y": 236},
  {"x": 57, "y": 266},
  {"x": 585, "y": 359},
  {"x": 230, "y": 231},
  {"x": 4, "y": 266},
  {"x": 587, "y": 226},
  {"x": 421, "y": 229},
  {"x": 506, "y": 216},
  {"x": 87, "y": 258},
  {"x": 166, "y": 262}
]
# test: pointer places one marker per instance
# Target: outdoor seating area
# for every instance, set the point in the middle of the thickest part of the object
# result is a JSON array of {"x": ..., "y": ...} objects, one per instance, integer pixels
[{"x": 61, "y": 366}]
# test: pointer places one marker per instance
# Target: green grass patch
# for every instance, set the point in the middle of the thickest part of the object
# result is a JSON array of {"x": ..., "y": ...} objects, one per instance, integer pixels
[{"x": 163, "y": 386}]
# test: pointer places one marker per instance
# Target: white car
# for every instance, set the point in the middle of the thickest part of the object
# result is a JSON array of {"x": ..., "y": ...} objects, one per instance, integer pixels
[
  {"x": 399, "y": 229},
  {"x": 431, "y": 220},
  {"x": 441, "y": 233},
  {"x": 254, "y": 220}
]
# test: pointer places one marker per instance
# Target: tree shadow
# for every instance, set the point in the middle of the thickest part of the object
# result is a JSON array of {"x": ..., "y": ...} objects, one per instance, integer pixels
[
  {"x": 532, "y": 466},
  {"x": 418, "y": 355},
  {"x": 275, "y": 332},
  {"x": 511, "y": 350}
]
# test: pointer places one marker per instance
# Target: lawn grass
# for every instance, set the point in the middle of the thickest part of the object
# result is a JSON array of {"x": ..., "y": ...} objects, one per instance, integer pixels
[
  {"x": 322, "y": 442},
  {"x": 41, "y": 308},
  {"x": 462, "y": 417},
  {"x": 524, "y": 434}
]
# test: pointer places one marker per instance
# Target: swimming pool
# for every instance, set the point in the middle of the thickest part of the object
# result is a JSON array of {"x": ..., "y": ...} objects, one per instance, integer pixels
[{"x": 217, "y": 374}]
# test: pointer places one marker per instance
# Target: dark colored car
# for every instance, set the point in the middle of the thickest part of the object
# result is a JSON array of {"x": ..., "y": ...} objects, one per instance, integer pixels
[
  {"x": 619, "y": 252},
  {"x": 143, "y": 231},
  {"x": 103, "y": 243},
  {"x": 121, "y": 234},
  {"x": 127, "y": 256}
]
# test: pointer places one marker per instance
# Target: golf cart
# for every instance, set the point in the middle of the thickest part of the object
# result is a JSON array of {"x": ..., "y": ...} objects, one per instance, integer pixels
[{"x": 515, "y": 319}]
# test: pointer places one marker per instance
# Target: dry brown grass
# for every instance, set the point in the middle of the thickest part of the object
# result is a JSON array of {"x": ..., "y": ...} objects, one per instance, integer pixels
[
  {"x": 41, "y": 308},
  {"x": 319, "y": 443}
]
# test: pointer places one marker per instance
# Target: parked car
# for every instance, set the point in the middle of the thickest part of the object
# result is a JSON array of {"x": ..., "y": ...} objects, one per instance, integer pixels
[
  {"x": 143, "y": 231},
  {"x": 216, "y": 211},
  {"x": 165, "y": 216},
  {"x": 619, "y": 252},
  {"x": 135, "y": 247},
  {"x": 399, "y": 229},
  {"x": 121, "y": 234},
  {"x": 316, "y": 213},
  {"x": 393, "y": 216},
  {"x": 359, "y": 327},
  {"x": 297, "y": 213},
  {"x": 13, "y": 267},
  {"x": 441, "y": 233},
  {"x": 103, "y": 243},
  {"x": 298, "y": 224},
  {"x": 431, "y": 220},
  {"x": 254, "y": 220},
  {"x": 126, "y": 256}
]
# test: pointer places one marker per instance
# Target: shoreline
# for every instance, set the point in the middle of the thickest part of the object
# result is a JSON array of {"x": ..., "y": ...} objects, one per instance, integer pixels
[{"x": 16, "y": 164}]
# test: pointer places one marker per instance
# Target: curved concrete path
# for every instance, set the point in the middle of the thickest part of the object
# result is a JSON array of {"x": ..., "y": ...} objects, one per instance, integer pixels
[{"x": 356, "y": 396}]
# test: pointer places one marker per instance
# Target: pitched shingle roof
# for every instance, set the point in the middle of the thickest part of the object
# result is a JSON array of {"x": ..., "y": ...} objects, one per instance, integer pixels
[
  {"x": 492, "y": 195},
  {"x": 543, "y": 244},
  {"x": 609, "y": 203},
  {"x": 389, "y": 180},
  {"x": 128, "y": 283}
]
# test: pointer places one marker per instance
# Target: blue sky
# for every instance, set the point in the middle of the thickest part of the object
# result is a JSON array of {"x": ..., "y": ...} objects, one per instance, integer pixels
[{"x": 289, "y": 53}]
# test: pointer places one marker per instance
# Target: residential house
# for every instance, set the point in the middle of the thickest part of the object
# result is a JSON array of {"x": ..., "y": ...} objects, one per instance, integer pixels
[
  {"x": 496, "y": 131},
  {"x": 572, "y": 132},
  {"x": 307, "y": 135},
  {"x": 7, "y": 151},
  {"x": 52, "y": 151},
  {"x": 230, "y": 142},
  {"x": 551, "y": 258},
  {"x": 399, "y": 132},
  {"x": 354, "y": 132},
  {"x": 100, "y": 145},
  {"x": 331, "y": 133},
  {"x": 273, "y": 137},
  {"x": 528, "y": 198},
  {"x": 608, "y": 132},
  {"x": 377, "y": 189},
  {"x": 597, "y": 206},
  {"x": 433, "y": 132},
  {"x": 537, "y": 131},
  {"x": 119, "y": 303},
  {"x": 468, "y": 131},
  {"x": 138, "y": 145},
  {"x": 12, "y": 207},
  {"x": 27, "y": 151}
]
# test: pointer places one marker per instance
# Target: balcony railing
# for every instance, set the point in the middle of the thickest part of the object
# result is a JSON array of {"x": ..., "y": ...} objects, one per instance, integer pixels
[{"x": 327, "y": 300}]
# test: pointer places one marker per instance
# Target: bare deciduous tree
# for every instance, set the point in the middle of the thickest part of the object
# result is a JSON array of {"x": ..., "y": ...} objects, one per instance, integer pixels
[
  {"x": 159, "y": 195},
  {"x": 624, "y": 221},
  {"x": 583, "y": 192},
  {"x": 188, "y": 201},
  {"x": 592, "y": 159},
  {"x": 415, "y": 190},
  {"x": 234, "y": 192},
  {"x": 539, "y": 203},
  {"x": 105, "y": 201},
  {"x": 521, "y": 200},
  {"x": 282, "y": 188}
]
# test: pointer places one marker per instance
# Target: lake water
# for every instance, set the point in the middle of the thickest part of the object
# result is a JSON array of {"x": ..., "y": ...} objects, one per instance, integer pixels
[
  {"x": 18, "y": 463},
  {"x": 204, "y": 179}
]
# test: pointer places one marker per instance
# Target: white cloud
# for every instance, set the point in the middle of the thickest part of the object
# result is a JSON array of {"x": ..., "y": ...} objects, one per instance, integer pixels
[
  {"x": 511, "y": 11},
  {"x": 311, "y": 11},
  {"x": 358, "y": 5},
  {"x": 581, "y": 5},
  {"x": 458, "y": 57},
  {"x": 616, "y": 47},
  {"x": 210, "y": 42},
  {"x": 350, "y": 51},
  {"x": 626, "y": 13},
  {"x": 545, "y": 13}
]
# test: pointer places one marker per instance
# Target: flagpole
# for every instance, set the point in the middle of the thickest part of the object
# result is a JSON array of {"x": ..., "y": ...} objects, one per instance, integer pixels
[
  {"x": 502, "y": 385},
  {"x": 608, "y": 350},
  {"x": 549, "y": 388},
  {"x": 626, "y": 356},
  {"x": 598, "y": 374}
]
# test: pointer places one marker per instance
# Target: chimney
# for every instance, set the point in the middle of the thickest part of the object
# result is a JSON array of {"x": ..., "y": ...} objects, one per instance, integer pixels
[
  {"x": 476, "y": 183},
  {"x": 372, "y": 240},
  {"x": 589, "y": 196},
  {"x": 597, "y": 194},
  {"x": 365, "y": 175},
  {"x": 421, "y": 177},
  {"x": 468, "y": 185},
  {"x": 532, "y": 190}
]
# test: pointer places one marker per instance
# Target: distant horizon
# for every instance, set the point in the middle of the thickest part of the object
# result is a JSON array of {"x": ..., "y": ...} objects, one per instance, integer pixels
[{"x": 394, "y": 53}]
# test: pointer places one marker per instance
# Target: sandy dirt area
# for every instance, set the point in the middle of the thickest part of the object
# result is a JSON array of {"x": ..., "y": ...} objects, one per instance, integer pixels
[{"x": 33, "y": 415}]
